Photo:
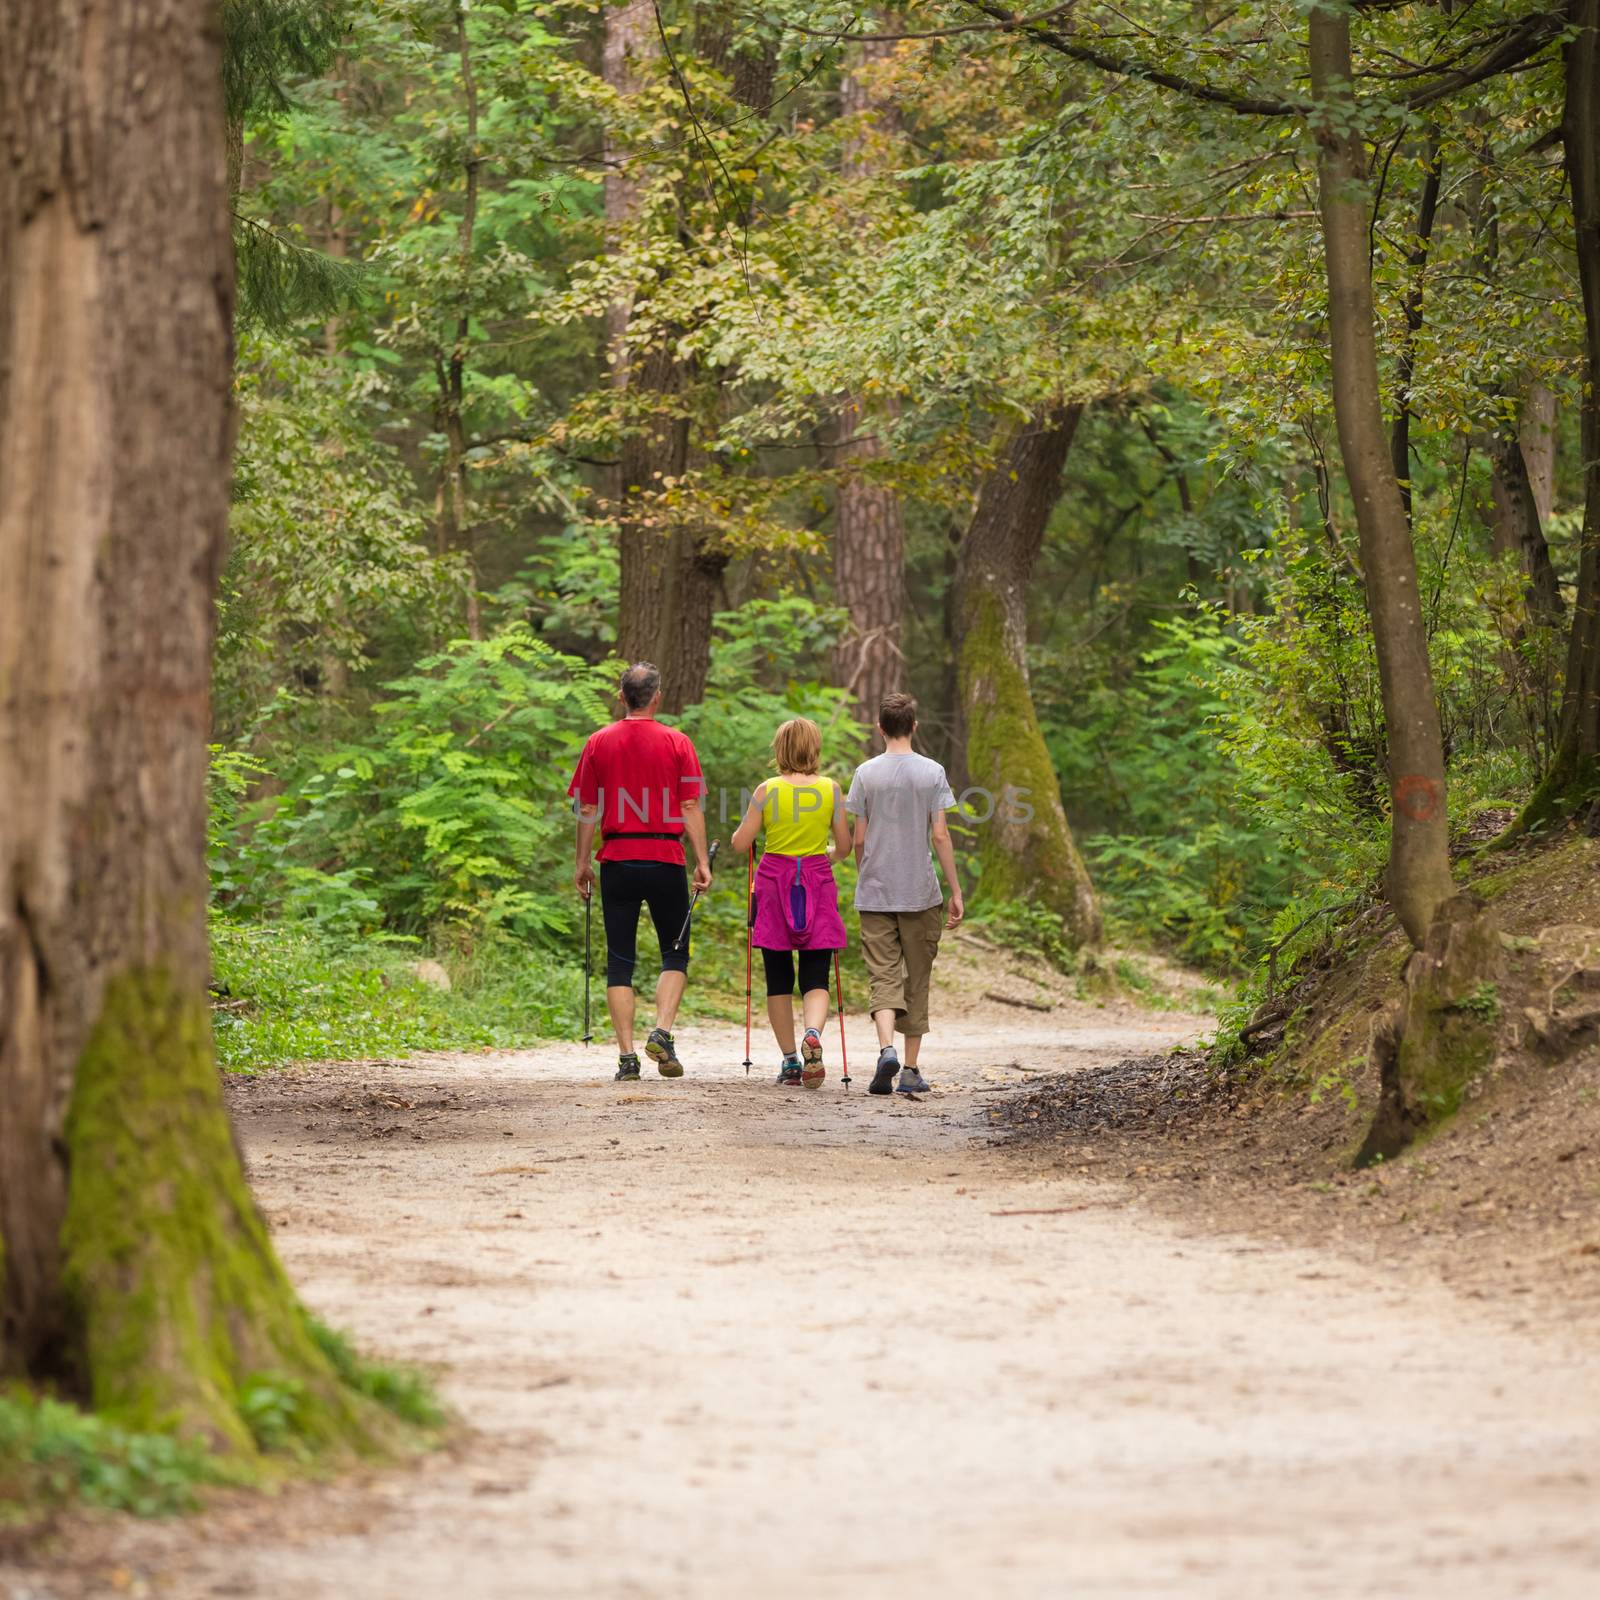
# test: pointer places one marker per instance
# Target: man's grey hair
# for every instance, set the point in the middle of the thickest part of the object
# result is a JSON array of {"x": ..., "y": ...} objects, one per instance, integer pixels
[{"x": 641, "y": 683}]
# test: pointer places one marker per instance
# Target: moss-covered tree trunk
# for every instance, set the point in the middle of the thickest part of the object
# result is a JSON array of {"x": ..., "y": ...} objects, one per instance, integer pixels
[
  {"x": 1442, "y": 1032},
  {"x": 1575, "y": 771},
  {"x": 1025, "y": 847},
  {"x": 135, "y": 1267},
  {"x": 1418, "y": 876}
]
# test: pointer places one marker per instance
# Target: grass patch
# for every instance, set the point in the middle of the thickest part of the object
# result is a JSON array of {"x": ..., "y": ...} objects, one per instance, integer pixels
[
  {"x": 291, "y": 993},
  {"x": 407, "y": 1394},
  {"x": 54, "y": 1455}
]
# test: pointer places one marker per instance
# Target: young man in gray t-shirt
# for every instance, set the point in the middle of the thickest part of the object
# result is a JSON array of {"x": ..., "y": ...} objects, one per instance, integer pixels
[{"x": 899, "y": 800}]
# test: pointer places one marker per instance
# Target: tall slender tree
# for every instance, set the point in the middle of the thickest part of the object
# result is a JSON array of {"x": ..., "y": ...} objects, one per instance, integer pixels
[
  {"x": 1575, "y": 771},
  {"x": 671, "y": 570},
  {"x": 134, "y": 1267},
  {"x": 869, "y": 543},
  {"x": 1419, "y": 860}
]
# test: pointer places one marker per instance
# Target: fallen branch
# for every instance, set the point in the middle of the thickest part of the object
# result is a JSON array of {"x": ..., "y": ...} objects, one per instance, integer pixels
[
  {"x": 1011, "y": 1000},
  {"x": 1040, "y": 1211}
]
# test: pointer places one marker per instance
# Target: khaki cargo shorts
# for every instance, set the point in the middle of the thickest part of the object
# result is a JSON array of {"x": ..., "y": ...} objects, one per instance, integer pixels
[{"x": 899, "y": 947}]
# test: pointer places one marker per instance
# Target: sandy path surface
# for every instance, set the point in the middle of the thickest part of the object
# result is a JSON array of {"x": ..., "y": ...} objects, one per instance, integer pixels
[{"x": 720, "y": 1339}]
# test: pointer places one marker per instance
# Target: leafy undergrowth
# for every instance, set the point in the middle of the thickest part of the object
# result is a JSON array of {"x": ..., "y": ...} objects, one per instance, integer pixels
[
  {"x": 1111, "y": 973},
  {"x": 53, "y": 1455},
  {"x": 285, "y": 992},
  {"x": 401, "y": 1391}
]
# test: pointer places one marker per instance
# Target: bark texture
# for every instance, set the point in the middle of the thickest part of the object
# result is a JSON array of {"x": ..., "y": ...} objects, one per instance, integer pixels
[
  {"x": 1021, "y": 856},
  {"x": 1517, "y": 526},
  {"x": 1537, "y": 432},
  {"x": 1418, "y": 878},
  {"x": 869, "y": 546},
  {"x": 135, "y": 1268},
  {"x": 671, "y": 573},
  {"x": 1442, "y": 1033},
  {"x": 1574, "y": 773}
]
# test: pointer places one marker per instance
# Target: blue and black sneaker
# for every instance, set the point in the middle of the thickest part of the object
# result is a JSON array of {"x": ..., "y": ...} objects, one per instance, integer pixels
[
  {"x": 911, "y": 1082},
  {"x": 883, "y": 1078},
  {"x": 789, "y": 1072}
]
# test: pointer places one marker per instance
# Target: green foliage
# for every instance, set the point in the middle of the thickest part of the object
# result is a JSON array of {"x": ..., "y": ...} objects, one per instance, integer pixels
[
  {"x": 52, "y": 1454},
  {"x": 279, "y": 1410},
  {"x": 281, "y": 281},
  {"x": 1194, "y": 858},
  {"x": 1337, "y": 1081},
  {"x": 1002, "y": 228},
  {"x": 766, "y": 667},
  {"x": 405, "y": 1393},
  {"x": 288, "y": 992},
  {"x": 447, "y": 812},
  {"x": 266, "y": 43},
  {"x": 329, "y": 553},
  {"x": 1483, "y": 1002},
  {"x": 1028, "y": 928}
]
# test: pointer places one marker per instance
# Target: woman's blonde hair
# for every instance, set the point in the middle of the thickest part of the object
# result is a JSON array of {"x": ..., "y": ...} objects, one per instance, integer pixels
[{"x": 797, "y": 746}]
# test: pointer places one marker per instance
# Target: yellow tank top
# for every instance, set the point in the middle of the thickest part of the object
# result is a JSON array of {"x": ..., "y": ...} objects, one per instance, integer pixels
[{"x": 798, "y": 816}]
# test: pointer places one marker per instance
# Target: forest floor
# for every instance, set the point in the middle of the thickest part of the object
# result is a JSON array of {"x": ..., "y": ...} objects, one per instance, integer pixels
[{"x": 712, "y": 1338}]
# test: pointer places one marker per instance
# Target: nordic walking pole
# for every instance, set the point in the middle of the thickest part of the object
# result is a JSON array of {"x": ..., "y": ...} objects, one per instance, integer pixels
[
  {"x": 711, "y": 862},
  {"x": 844, "y": 1059},
  {"x": 749, "y": 940},
  {"x": 588, "y": 948}
]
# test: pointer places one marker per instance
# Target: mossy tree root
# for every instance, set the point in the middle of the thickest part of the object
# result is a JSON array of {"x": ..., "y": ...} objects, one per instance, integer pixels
[
  {"x": 182, "y": 1317},
  {"x": 1443, "y": 1031}
]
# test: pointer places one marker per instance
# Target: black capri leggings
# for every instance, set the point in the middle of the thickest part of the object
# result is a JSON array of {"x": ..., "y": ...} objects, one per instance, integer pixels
[
  {"x": 624, "y": 887},
  {"x": 780, "y": 969}
]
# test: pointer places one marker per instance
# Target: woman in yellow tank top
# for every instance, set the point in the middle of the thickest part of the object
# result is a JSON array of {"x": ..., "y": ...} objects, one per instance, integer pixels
[{"x": 796, "y": 901}]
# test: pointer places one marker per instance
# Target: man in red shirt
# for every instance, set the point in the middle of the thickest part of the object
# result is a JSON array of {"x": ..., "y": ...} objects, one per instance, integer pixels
[{"x": 639, "y": 782}]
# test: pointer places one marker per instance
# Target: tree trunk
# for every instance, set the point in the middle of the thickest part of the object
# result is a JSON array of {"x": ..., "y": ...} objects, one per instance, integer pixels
[
  {"x": 1416, "y": 266},
  {"x": 1537, "y": 432},
  {"x": 455, "y": 530},
  {"x": 1438, "y": 1037},
  {"x": 136, "y": 1270},
  {"x": 869, "y": 544},
  {"x": 725, "y": 46},
  {"x": 1575, "y": 771},
  {"x": 1025, "y": 847},
  {"x": 670, "y": 573},
  {"x": 1517, "y": 528},
  {"x": 1419, "y": 864}
]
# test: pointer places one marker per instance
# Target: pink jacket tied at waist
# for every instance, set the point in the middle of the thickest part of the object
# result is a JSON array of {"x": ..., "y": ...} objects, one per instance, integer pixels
[{"x": 797, "y": 904}]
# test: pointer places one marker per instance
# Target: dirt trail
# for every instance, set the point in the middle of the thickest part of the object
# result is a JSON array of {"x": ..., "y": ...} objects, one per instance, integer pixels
[{"x": 719, "y": 1339}]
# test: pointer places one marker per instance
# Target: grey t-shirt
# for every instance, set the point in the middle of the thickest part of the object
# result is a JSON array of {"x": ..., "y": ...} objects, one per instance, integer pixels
[{"x": 898, "y": 795}]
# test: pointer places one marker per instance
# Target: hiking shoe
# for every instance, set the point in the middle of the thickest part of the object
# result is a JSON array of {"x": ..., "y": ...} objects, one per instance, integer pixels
[
  {"x": 627, "y": 1069},
  {"x": 911, "y": 1081},
  {"x": 660, "y": 1049},
  {"x": 813, "y": 1072},
  {"x": 883, "y": 1078},
  {"x": 789, "y": 1073}
]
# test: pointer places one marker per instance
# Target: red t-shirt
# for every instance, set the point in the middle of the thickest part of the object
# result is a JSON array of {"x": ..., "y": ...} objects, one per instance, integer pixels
[{"x": 639, "y": 771}]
